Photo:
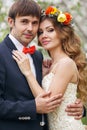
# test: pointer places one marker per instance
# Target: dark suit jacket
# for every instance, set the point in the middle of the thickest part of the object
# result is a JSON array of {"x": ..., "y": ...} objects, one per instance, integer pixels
[
  {"x": 84, "y": 112},
  {"x": 17, "y": 104}
]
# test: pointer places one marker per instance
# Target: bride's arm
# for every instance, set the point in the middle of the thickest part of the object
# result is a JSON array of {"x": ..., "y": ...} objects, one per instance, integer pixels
[
  {"x": 35, "y": 87},
  {"x": 24, "y": 65},
  {"x": 60, "y": 81}
]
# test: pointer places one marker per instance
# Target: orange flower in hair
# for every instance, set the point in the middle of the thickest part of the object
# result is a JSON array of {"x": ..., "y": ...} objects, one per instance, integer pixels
[
  {"x": 50, "y": 10},
  {"x": 68, "y": 18}
]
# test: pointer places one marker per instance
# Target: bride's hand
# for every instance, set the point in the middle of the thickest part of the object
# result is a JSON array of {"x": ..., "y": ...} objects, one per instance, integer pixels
[{"x": 22, "y": 61}]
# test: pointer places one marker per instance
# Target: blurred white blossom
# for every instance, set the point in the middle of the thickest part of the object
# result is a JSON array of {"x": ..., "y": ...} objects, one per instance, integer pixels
[
  {"x": 3, "y": 25},
  {"x": 3, "y": 10}
]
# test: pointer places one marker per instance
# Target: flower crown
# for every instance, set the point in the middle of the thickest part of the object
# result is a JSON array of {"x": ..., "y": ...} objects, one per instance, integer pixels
[{"x": 52, "y": 11}]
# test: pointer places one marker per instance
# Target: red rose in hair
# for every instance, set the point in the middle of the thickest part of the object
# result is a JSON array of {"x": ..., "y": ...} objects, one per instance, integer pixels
[{"x": 68, "y": 18}]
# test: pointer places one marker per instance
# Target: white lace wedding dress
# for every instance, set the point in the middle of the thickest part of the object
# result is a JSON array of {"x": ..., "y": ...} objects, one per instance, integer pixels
[{"x": 59, "y": 120}]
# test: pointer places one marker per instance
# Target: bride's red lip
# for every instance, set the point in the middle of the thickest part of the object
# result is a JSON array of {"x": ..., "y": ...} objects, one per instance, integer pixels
[{"x": 45, "y": 42}]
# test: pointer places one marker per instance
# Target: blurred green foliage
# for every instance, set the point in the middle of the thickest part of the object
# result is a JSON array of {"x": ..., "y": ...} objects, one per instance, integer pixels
[{"x": 84, "y": 120}]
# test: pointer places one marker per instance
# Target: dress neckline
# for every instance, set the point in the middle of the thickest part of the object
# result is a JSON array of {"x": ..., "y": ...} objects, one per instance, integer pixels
[{"x": 54, "y": 74}]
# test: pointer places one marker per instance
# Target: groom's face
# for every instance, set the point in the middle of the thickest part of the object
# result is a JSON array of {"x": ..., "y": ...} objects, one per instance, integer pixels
[{"x": 24, "y": 28}]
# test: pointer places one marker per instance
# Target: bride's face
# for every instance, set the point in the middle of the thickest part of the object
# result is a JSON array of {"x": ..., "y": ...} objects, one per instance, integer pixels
[{"x": 48, "y": 36}]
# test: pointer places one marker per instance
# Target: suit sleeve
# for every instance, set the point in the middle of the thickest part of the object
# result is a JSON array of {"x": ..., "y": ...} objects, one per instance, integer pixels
[{"x": 84, "y": 111}]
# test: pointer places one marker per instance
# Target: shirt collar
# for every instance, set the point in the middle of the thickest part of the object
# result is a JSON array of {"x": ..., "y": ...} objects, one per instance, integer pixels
[{"x": 18, "y": 45}]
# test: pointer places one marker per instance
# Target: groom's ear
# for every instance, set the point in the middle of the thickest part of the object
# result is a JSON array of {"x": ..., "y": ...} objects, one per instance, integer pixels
[{"x": 11, "y": 22}]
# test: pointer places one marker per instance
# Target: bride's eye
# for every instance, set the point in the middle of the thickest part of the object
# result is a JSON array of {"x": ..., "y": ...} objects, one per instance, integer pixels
[
  {"x": 40, "y": 32},
  {"x": 50, "y": 29}
]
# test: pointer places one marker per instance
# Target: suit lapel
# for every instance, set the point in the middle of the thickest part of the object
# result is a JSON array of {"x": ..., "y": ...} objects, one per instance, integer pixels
[
  {"x": 9, "y": 43},
  {"x": 37, "y": 68},
  {"x": 12, "y": 47}
]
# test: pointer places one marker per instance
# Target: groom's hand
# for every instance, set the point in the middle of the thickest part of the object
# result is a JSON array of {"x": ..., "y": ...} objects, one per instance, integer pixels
[
  {"x": 46, "y": 104},
  {"x": 46, "y": 66},
  {"x": 75, "y": 109}
]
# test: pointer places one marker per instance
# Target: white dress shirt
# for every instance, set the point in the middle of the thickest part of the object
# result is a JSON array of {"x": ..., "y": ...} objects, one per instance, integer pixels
[{"x": 19, "y": 46}]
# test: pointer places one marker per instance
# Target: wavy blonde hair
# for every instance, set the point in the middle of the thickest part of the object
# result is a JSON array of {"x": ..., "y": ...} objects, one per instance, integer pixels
[{"x": 71, "y": 45}]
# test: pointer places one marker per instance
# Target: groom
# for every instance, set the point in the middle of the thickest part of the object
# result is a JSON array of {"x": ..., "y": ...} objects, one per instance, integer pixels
[{"x": 18, "y": 108}]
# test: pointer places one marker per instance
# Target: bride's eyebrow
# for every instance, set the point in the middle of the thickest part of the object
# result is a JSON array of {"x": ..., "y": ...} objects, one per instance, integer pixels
[{"x": 50, "y": 26}]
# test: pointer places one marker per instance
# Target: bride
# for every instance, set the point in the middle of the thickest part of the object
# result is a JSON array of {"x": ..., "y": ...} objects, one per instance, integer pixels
[{"x": 67, "y": 74}]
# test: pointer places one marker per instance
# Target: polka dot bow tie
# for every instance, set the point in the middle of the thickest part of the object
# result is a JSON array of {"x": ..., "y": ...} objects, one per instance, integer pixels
[{"x": 29, "y": 50}]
